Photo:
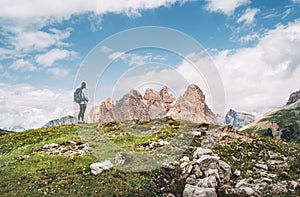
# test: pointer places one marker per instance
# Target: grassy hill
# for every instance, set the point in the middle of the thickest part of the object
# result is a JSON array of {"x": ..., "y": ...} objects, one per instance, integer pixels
[
  {"x": 282, "y": 124},
  {"x": 28, "y": 167}
]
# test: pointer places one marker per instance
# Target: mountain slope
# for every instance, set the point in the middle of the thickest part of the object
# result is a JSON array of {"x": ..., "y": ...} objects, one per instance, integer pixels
[
  {"x": 280, "y": 123},
  {"x": 56, "y": 161}
]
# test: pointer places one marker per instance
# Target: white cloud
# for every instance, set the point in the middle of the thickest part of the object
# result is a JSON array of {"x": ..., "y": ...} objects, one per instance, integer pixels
[
  {"x": 24, "y": 21},
  {"x": 106, "y": 49},
  {"x": 116, "y": 55},
  {"x": 49, "y": 58},
  {"x": 262, "y": 77},
  {"x": 225, "y": 7},
  {"x": 58, "y": 72},
  {"x": 249, "y": 16},
  {"x": 63, "y": 9},
  {"x": 23, "y": 105},
  {"x": 22, "y": 65},
  {"x": 27, "y": 41},
  {"x": 5, "y": 53},
  {"x": 249, "y": 37},
  {"x": 133, "y": 59}
]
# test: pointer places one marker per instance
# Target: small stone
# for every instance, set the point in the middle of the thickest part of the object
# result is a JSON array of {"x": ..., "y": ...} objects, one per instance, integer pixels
[
  {"x": 262, "y": 166},
  {"x": 170, "y": 165},
  {"x": 120, "y": 158},
  {"x": 184, "y": 164},
  {"x": 294, "y": 184},
  {"x": 185, "y": 159},
  {"x": 191, "y": 180},
  {"x": 203, "y": 158},
  {"x": 277, "y": 165},
  {"x": 212, "y": 172},
  {"x": 248, "y": 191},
  {"x": 162, "y": 143},
  {"x": 170, "y": 195},
  {"x": 241, "y": 183},
  {"x": 208, "y": 182},
  {"x": 53, "y": 145},
  {"x": 196, "y": 133},
  {"x": 267, "y": 180},
  {"x": 272, "y": 176},
  {"x": 237, "y": 172},
  {"x": 197, "y": 171},
  {"x": 201, "y": 151}
]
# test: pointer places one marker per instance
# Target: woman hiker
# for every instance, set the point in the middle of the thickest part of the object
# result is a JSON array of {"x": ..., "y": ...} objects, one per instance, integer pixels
[{"x": 82, "y": 101}]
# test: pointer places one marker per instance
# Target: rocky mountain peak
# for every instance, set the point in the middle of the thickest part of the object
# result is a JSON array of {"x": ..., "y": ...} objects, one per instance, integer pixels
[
  {"x": 294, "y": 97},
  {"x": 166, "y": 95},
  {"x": 152, "y": 95},
  {"x": 194, "y": 92},
  {"x": 190, "y": 106},
  {"x": 136, "y": 93},
  {"x": 238, "y": 119}
]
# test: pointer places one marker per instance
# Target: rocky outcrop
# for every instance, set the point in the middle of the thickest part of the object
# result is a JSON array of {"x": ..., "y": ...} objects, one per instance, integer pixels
[
  {"x": 294, "y": 97},
  {"x": 190, "y": 106},
  {"x": 62, "y": 121},
  {"x": 104, "y": 112},
  {"x": 204, "y": 173},
  {"x": 157, "y": 104},
  {"x": 131, "y": 107},
  {"x": 238, "y": 119},
  {"x": 166, "y": 96}
]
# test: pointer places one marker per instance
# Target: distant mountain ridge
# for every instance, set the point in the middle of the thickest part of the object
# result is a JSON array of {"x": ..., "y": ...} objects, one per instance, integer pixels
[
  {"x": 190, "y": 106},
  {"x": 238, "y": 119},
  {"x": 15, "y": 129},
  {"x": 62, "y": 121}
]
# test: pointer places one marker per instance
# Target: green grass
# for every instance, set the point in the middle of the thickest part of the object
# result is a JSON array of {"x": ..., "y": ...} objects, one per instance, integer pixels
[{"x": 25, "y": 170}]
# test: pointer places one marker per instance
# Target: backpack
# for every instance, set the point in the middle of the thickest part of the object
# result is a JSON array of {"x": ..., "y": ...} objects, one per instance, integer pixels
[{"x": 78, "y": 95}]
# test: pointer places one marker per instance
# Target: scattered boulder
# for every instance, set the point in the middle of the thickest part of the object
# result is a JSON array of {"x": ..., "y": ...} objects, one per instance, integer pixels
[
  {"x": 201, "y": 151},
  {"x": 97, "y": 168},
  {"x": 195, "y": 191}
]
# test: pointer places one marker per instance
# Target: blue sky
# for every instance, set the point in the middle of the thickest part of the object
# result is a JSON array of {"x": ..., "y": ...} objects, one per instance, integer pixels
[{"x": 254, "y": 44}]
